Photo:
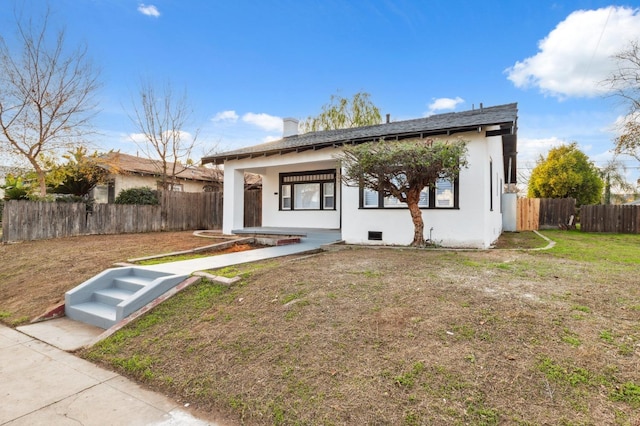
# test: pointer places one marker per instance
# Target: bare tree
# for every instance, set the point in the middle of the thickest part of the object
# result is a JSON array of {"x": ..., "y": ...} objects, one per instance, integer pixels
[
  {"x": 625, "y": 80},
  {"x": 625, "y": 84},
  {"x": 46, "y": 95},
  {"x": 161, "y": 119}
]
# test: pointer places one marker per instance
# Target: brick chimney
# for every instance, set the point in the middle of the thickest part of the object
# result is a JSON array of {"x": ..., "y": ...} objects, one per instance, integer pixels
[{"x": 290, "y": 127}]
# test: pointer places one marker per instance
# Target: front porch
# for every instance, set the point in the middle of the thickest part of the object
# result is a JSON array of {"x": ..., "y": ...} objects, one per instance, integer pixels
[
  {"x": 298, "y": 192},
  {"x": 307, "y": 235}
]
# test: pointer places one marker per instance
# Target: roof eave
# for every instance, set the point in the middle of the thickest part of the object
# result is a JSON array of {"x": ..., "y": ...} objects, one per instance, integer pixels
[{"x": 506, "y": 126}]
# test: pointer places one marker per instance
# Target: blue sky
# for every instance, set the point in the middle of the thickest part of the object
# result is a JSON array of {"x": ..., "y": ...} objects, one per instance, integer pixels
[{"x": 246, "y": 64}]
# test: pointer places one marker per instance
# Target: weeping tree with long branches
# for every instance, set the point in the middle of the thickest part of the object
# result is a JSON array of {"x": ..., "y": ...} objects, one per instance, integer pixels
[
  {"x": 402, "y": 169},
  {"x": 344, "y": 113}
]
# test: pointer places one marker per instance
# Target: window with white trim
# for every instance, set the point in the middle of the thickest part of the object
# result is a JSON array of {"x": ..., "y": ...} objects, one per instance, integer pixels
[{"x": 313, "y": 190}]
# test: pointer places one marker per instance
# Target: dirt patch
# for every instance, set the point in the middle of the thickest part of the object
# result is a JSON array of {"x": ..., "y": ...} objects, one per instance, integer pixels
[{"x": 35, "y": 275}]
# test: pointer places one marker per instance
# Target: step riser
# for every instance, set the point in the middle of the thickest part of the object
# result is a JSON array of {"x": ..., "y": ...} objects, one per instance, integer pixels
[
  {"x": 88, "y": 318},
  {"x": 107, "y": 299},
  {"x": 125, "y": 284}
]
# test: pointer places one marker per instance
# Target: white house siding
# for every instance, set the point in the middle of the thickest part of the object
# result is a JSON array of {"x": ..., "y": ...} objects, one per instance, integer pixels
[
  {"x": 494, "y": 224},
  {"x": 269, "y": 168},
  {"x": 473, "y": 225}
]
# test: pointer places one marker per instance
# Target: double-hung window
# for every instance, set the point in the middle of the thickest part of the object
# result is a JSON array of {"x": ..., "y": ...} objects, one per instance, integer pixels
[{"x": 314, "y": 190}]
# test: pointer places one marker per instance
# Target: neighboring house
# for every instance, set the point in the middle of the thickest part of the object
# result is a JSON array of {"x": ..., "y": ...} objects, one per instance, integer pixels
[
  {"x": 302, "y": 187},
  {"x": 129, "y": 171}
]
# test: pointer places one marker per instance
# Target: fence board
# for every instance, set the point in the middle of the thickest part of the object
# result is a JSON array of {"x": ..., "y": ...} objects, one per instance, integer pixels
[
  {"x": 178, "y": 211},
  {"x": 528, "y": 215},
  {"x": 610, "y": 218}
]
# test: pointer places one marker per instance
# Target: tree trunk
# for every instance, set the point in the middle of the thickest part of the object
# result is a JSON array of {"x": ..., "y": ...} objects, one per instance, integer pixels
[
  {"x": 413, "y": 198},
  {"x": 41, "y": 175}
]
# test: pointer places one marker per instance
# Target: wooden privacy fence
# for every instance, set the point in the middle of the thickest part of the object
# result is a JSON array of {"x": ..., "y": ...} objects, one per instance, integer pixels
[
  {"x": 36, "y": 220},
  {"x": 610, "y": 218},
  {"x": 540, "y": 213},
  {"x": 191, "y": 210}
]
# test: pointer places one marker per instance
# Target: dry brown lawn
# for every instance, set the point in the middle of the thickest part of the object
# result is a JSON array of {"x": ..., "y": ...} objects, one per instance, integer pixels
[
  {"x": 35, "y": 275},
  {"x": 400, "y": 336}
]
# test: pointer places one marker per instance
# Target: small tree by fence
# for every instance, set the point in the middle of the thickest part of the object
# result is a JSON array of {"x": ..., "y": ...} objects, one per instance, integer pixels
[
  {"x": 541, "y": 213},
  {"x": 35, "y": 220},
  {"x": 610, "y": 218}
]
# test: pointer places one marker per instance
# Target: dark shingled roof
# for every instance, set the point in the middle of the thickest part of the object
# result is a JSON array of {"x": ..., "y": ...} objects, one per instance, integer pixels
[{"x": 441, "y": 124}]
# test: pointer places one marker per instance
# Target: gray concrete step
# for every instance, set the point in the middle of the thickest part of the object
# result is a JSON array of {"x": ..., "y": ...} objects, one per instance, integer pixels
[
  {"x": 112, "y": 295},
  {"x": 131, "y": 282},
  {"x": 94, "y": 313}
]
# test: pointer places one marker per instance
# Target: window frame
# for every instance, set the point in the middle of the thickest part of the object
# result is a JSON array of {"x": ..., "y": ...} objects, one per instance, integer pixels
[
  {"x": 432, "y": 193},
  {"x": 319, "y": 177}
]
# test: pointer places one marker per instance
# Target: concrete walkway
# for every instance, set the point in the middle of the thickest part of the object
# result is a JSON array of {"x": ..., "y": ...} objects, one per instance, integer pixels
[
  {"x": 310, "y": 239},
  {"x": 44, "y": 385},
  {"x": 41, "y": 384}
]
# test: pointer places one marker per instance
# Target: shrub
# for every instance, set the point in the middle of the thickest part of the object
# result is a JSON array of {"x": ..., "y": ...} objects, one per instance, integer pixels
[{"x": 144, "y": 195}]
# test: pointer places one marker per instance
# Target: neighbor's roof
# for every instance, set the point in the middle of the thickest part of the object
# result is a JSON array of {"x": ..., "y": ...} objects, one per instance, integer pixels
[
  {"x": 441, "y": 124},
  {"x": 118, "y": 162}
]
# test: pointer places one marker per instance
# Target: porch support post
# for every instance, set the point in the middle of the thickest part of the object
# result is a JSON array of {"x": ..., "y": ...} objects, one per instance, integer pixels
[{"x": 233, "y": 210}]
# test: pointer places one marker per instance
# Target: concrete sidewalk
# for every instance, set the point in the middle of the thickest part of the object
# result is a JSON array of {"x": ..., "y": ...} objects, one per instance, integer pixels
[{"x": 44, "y": 385}]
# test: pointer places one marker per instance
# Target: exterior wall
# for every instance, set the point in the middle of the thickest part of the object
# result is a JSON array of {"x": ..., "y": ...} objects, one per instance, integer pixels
[
  {"x": 270, "y": 168},
  {"x": 493, "y": 221},
  {"x": 473, "y": 225}
]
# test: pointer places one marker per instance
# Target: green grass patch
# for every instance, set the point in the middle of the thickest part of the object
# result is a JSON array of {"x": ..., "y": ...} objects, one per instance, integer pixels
[
  {"x": 628, "y": 392},
  {"x": 174, "y": 258},
  {"x": 596, "y": 247},
  {"x": 581, "y": 308},
  {"x": 407, "y": 380},
  {"x": 137, "y": 365},
  {"x": 607, "y": 336},
  {"x": 563, "y": 373}
]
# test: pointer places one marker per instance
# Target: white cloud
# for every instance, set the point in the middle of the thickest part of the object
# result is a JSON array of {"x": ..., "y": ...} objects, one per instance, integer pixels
[
  {"x": 271, "y": 139},
  {"x": 266, "y": 122},
  {"x": 530, "y": 150},
  {"x": 229, "y": 116},
  {"x": 576, "y": 56},
  {"x": 149, "y": 10},
  {"x": 444, "y": 104},
  {"x": 141, "y": 138}
]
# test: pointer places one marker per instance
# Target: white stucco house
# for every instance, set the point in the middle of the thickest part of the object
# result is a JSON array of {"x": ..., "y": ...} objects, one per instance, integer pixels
[{"x": 302, "y": 188}]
